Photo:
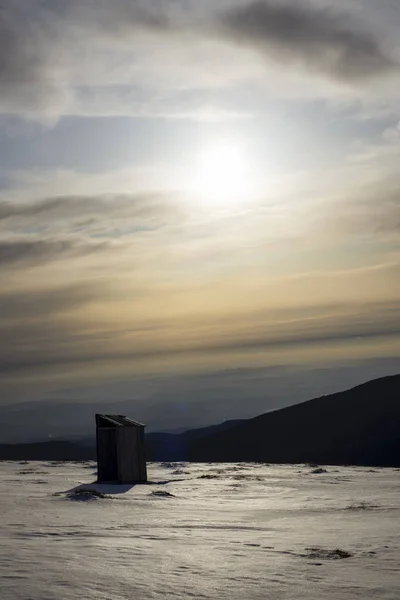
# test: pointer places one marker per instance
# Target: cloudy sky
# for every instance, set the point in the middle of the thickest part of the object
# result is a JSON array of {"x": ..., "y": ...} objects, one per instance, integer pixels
[{"x": 200, "y": 197}]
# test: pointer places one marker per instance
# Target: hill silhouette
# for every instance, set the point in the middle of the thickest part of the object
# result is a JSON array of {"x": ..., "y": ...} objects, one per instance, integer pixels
[
  {"x": 176, "y": 446},
  {"x": 360, "y": 426},
  {"x": 52, "y": 450}
]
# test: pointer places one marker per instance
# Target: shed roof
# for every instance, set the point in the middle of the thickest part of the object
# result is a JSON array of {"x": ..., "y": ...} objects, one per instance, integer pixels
[{"x": 117, "y": 421}]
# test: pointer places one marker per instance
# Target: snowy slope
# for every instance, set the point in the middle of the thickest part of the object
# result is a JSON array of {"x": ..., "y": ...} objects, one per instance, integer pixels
[{"x": 224, "y": 531}]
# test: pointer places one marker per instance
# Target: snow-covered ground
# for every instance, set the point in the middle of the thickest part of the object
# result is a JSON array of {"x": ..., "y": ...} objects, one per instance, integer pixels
[{"x": 201, "y": 531}]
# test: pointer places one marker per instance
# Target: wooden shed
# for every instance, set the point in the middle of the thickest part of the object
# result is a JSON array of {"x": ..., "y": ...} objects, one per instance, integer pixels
[{"x": 120, "y": 450}]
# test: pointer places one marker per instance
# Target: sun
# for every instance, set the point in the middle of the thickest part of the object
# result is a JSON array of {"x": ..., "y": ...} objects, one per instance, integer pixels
[{"x": 221, "y": 174}]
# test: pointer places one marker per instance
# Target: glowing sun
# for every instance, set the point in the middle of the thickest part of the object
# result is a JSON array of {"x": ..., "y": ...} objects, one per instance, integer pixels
[{"x": 221, "y": 174}]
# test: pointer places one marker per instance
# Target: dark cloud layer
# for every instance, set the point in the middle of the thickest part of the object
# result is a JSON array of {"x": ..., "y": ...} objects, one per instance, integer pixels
[
  {"x": 48, "y": 210},
  {"x": 51, "y": 343},
  {"x": 39, "y": 304},
  {"x": 35, "y": 56},
  {"x": 317, "y": 37},
  {"x": 123, "y": 16},
  {"x": 38, "y": 40},
  {"x": 25, "y": 253},
  {"x": 30, "y": 58}
]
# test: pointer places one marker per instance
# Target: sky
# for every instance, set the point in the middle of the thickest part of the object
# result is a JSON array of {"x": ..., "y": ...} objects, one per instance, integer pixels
[{"x": 197, "y": 192}]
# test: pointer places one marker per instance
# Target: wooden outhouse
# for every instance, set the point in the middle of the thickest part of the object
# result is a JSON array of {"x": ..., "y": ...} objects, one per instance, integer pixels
[{"x": 120, "y": 450}]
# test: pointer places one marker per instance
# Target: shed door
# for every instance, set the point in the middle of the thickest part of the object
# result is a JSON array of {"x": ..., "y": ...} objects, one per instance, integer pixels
[{"x": 108, "y": 462}]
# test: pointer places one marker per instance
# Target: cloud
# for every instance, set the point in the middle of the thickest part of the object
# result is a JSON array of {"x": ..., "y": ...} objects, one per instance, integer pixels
[
  {"x": 371, "y": 209},
  {"x": 79, "y": 206},
  {"x": 37, "y": 56},
  {"x": 78, "y": 225},
  {"x": 142, "y": 58},
  {"x": 64, "y": 336},
  {"x": 124, "y": 16},
  {"x": 45, "y": 303},
  {"x": 32, "y": 77},
  {"x": 317, "y": 37},
  {"x": 27, "y": 252}
]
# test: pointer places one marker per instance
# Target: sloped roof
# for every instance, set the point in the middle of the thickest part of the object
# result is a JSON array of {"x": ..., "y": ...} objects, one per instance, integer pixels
[{"x": 119, "y": 421}]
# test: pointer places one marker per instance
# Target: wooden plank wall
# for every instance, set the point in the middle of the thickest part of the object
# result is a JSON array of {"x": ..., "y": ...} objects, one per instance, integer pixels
[
  {"x": 107, "y": 467},
  {"x": 142, "y": 454},
  {"x": 131, "y": 459}
]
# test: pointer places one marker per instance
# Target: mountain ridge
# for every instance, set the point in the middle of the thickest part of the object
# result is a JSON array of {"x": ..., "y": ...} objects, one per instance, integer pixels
[
  {"x": 322, "y": 429},
  {"x": 360, "y": 425}
]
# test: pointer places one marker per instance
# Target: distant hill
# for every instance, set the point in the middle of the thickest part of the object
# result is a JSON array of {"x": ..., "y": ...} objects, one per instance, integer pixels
[
  {"x": 47, "y": 451},
  {"x": 360, "y": 426},
  {"x": 176, "y": 446},
  {"x": 159, "y": 446}
]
